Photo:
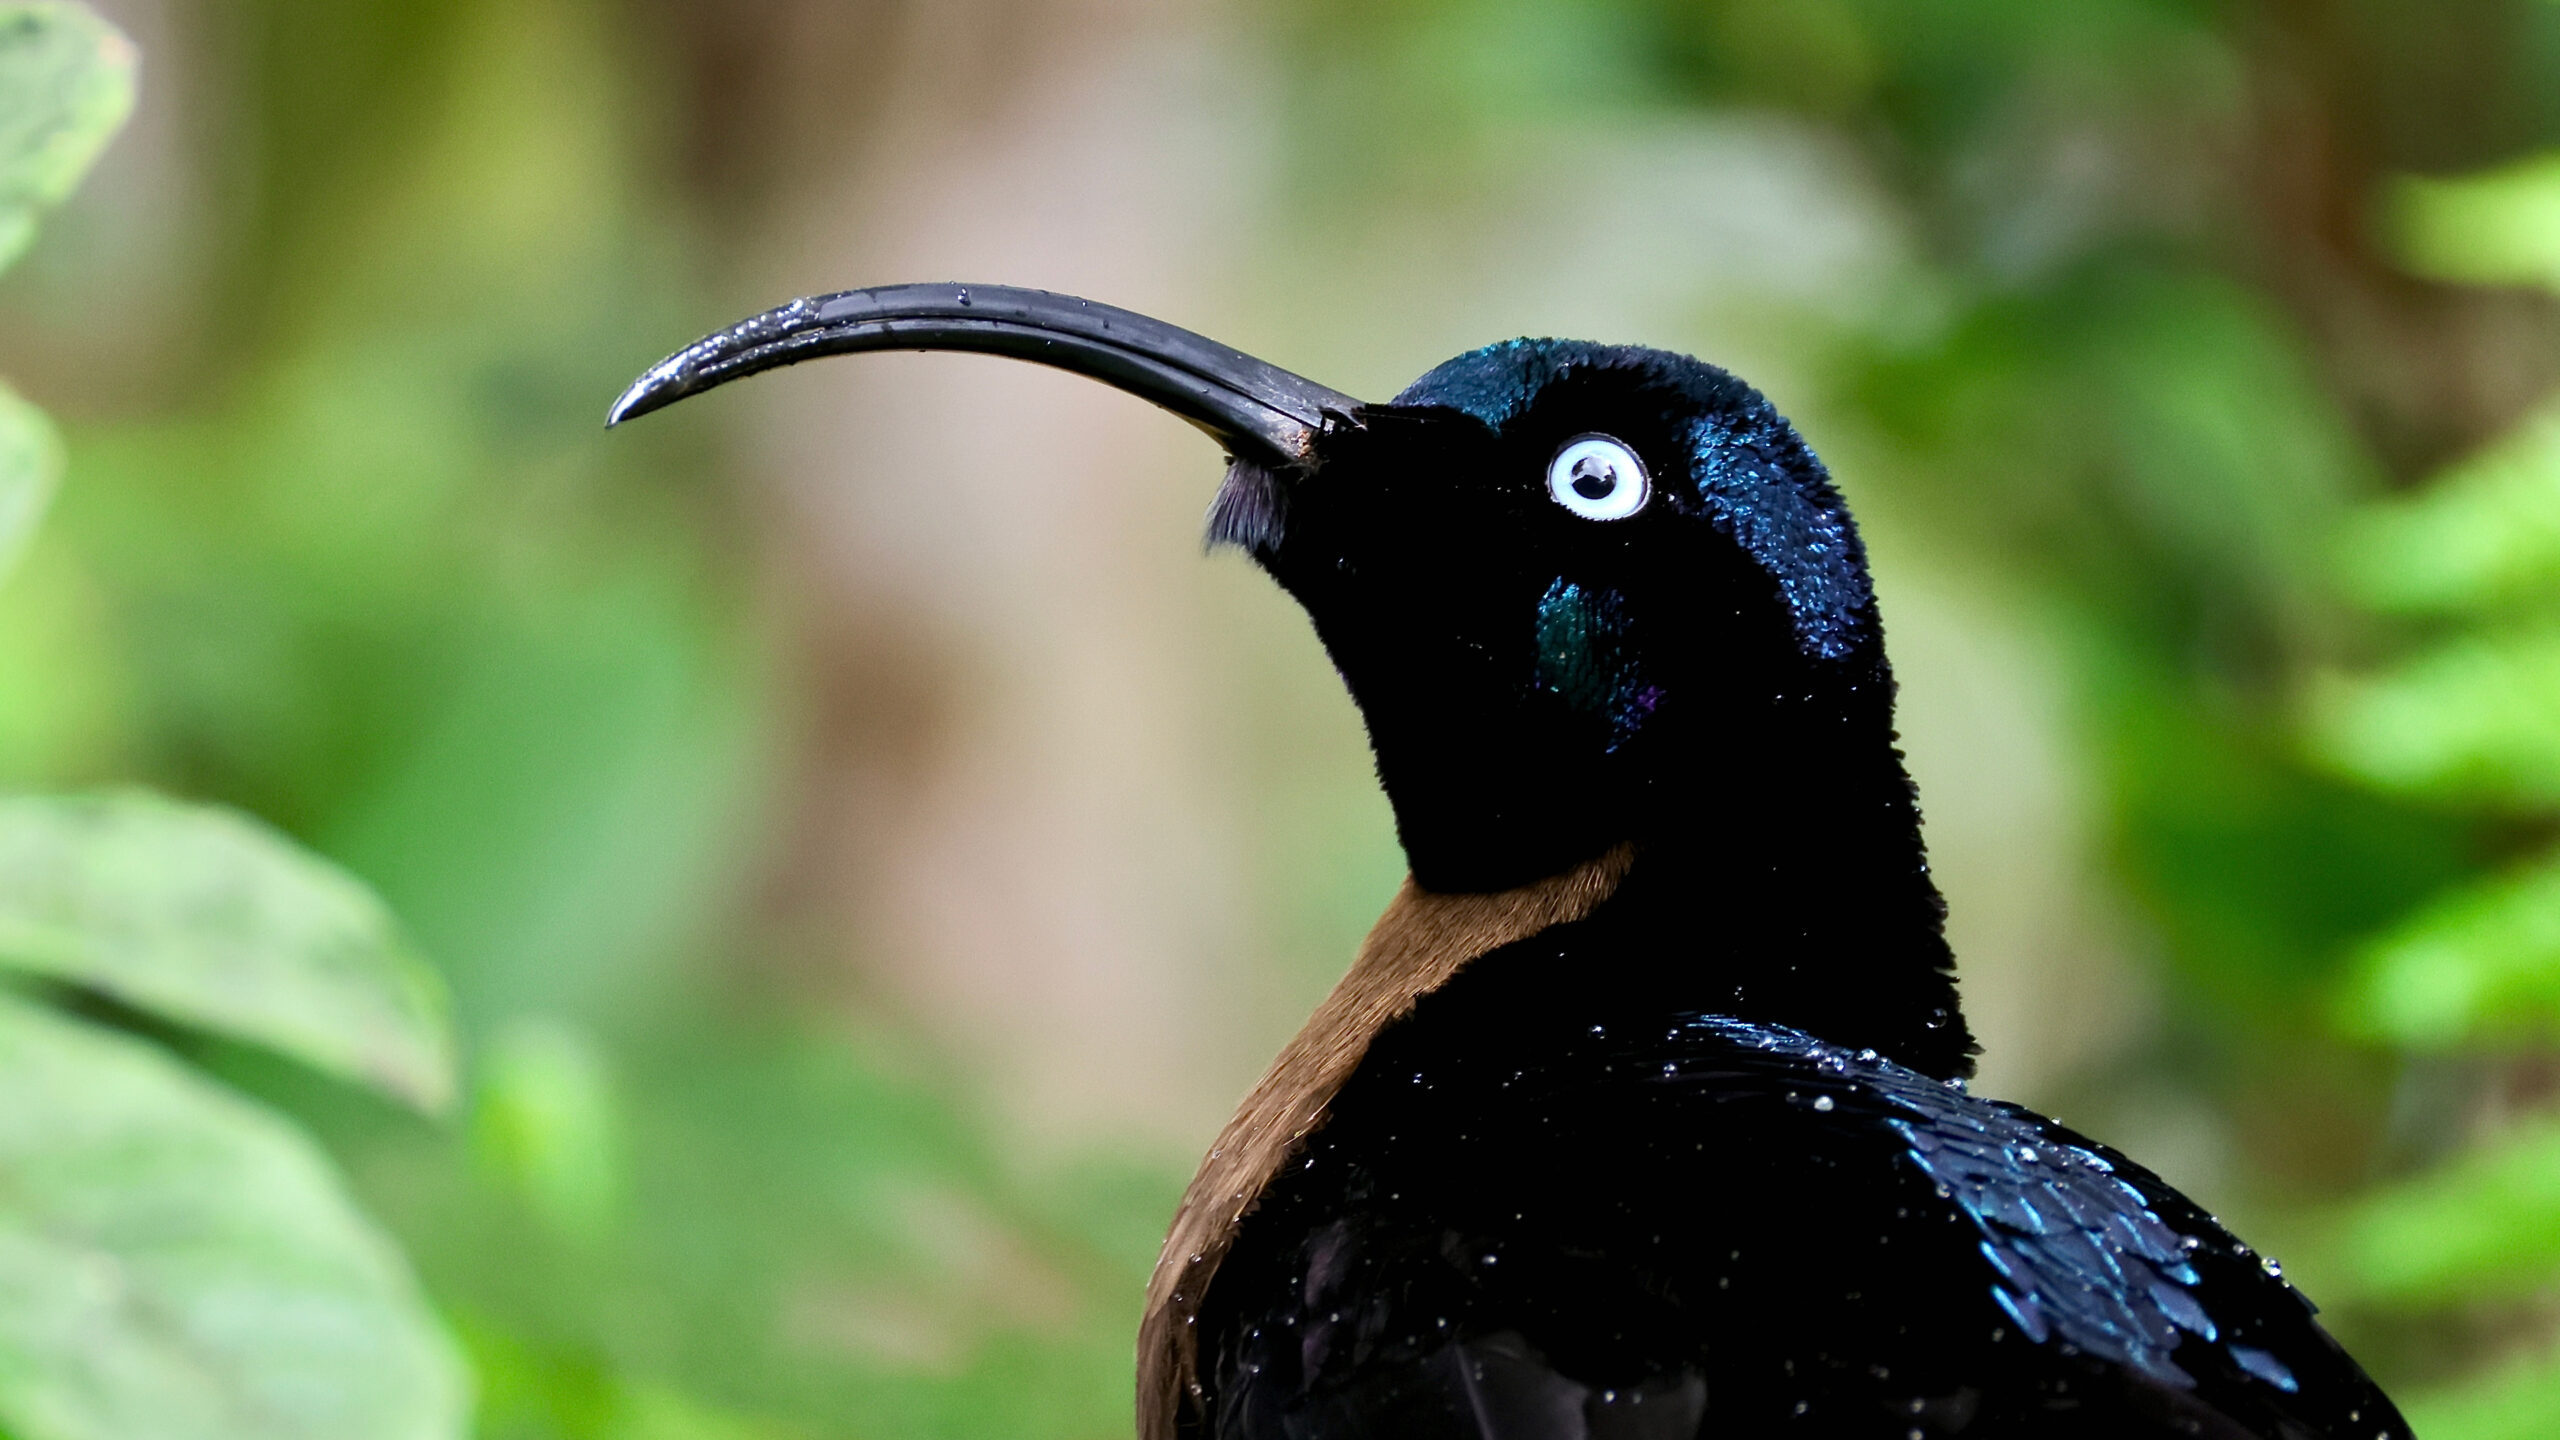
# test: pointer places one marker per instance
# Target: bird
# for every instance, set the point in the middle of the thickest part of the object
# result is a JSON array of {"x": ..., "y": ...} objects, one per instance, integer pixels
[{"x": 1642, "y": 1113}]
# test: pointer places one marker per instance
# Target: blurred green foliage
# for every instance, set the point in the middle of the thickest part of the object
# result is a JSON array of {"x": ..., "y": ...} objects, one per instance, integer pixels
[
  {"x": 2467, "y": 716},
  {"x": 67, "y": 79},
  {"x": 174, "y": 1260},
  {"x": 66, "y": 84},
  {"x": 380, "y": 582},
  {"x": 203, "y": 917}
]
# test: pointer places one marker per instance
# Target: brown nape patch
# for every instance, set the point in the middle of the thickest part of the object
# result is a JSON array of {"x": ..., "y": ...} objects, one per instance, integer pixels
[{"x": 1421, "y": 940}]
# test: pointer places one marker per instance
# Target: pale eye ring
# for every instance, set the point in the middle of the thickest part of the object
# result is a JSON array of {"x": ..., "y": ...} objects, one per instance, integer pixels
[{"x": 1598, "y": 478}]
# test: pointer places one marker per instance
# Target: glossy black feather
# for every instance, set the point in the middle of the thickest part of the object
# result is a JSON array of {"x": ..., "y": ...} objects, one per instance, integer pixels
[{"x": 1533, "y": 1219}]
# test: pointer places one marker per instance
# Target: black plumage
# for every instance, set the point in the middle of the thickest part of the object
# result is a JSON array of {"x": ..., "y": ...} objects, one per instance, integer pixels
[
  {"x": 1518, "y": 1223},
  {"x": 1642, "y": 1114}
]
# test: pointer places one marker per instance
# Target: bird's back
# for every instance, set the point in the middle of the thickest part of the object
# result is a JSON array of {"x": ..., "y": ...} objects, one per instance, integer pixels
[{"x": 1528, "y": 1223}]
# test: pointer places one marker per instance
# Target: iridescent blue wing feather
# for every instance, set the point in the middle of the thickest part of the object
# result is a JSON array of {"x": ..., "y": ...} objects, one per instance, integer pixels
[{"x": 2077, "y": 1254}]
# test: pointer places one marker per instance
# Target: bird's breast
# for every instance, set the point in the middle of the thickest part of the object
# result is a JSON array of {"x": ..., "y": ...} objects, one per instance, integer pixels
[{"x": 1422, "y": 940}]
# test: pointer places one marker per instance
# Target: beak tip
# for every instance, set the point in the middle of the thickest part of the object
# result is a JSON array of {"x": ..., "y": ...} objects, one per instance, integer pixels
[{"x": 663, "y": 385}]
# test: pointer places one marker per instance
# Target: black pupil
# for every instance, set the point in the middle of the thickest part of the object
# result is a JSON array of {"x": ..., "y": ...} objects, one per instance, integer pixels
[{"x": 1594, "y": 478}]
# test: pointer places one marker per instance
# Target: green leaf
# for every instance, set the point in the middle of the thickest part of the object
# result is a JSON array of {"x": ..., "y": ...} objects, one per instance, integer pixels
[
  {"x": 30, "y": 466},
  {"x": 66, "y": 86},
  {"x": 177, "y": 1263},
  {"x": 2486, "y": 1225},
  {"x": 2480, "y": 964},
  {"x": 2497, "y": 228},
  {"x": 2485, "y": 532},
  {"x": 211, "y": 919},
  {"x": 2517, "y": 1402},
  {"x": 2471, "y": 719}
]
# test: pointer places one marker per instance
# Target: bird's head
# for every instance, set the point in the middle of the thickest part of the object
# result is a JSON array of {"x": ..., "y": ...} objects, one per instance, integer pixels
[
  {"x": 1584, "y": 595},
  {"x": 1575, "y": 589}
]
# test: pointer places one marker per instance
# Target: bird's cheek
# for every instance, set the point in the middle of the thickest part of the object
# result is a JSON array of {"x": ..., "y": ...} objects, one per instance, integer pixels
[{"x": 1585, "y": 657}]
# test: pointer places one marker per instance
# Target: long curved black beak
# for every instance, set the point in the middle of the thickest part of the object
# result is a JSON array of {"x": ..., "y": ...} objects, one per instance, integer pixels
[{"x": 1260, "y": 412}]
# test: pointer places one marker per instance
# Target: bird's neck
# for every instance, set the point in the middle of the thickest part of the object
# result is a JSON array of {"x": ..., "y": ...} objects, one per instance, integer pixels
[
  {"x": 1788, "y": 888},
  {"x": 1811, "y": 907}
]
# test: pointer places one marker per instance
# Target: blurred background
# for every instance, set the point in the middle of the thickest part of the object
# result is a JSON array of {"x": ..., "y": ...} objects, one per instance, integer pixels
[{"x": 872, "y": 848}]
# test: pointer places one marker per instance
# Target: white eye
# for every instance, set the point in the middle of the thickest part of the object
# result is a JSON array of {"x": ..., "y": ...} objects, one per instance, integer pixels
[{"x": 1597, "y": 478}]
